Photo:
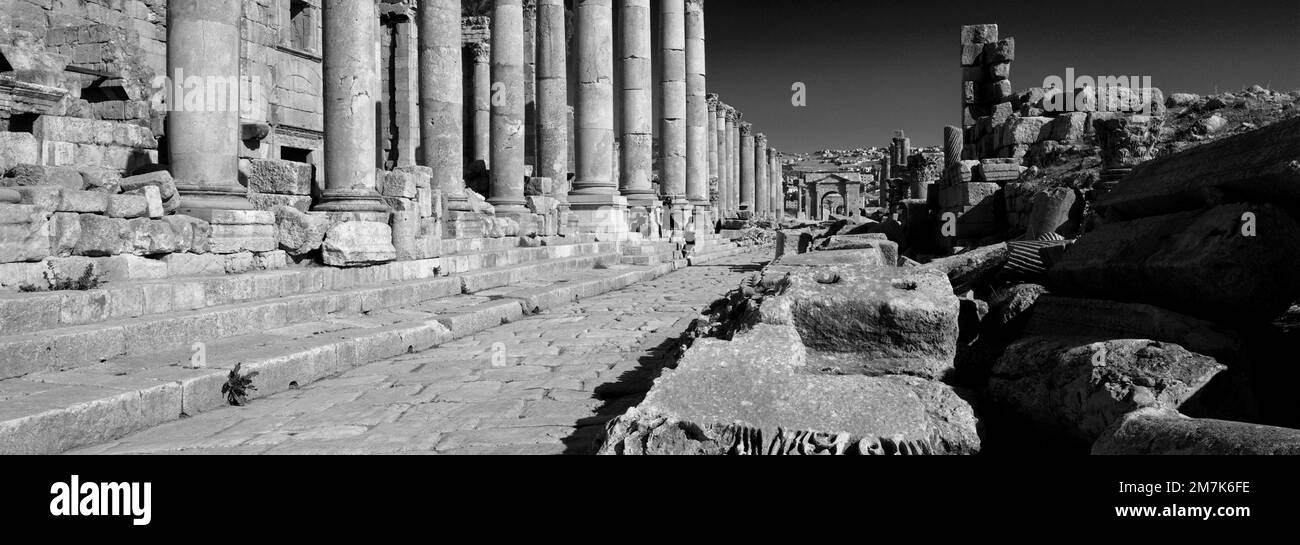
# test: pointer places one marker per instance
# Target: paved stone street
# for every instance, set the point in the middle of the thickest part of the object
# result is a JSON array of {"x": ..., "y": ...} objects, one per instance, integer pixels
[{"x": 543, "y": 385}]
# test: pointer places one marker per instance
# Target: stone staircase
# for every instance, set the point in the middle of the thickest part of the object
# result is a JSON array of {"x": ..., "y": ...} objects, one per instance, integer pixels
[
  {"x": 82, "y": 367},
  {"x": 705, "y": 248}
]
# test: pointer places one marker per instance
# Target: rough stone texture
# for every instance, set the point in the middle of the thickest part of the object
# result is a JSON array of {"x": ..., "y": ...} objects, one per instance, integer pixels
[
  {"x": 1009, "y": 308},
  {"x": 973, "y": 267},
  {"x": 875, "y": 241},
  {"x": 1165, "y": 432},
  {"x": 30, "y": 175},
  {"x": 146, "y": 236},
  {"x": 279, "y": 177},
  {"x": 24, "y": 233},
  {"x": 753, "y": 396},
  {"x": 267, "y": 201},
  {"x": 100, "y": 236},
  {"x": 869, "y": 320},
  {"x": 161, "y": 179},
  {"x": 1200, "y": 263},
  {"x": 1076, "y": 388},
  {"x": 1259, "y": 166},
  {"x": 193, "y": 234},
  {"x": 1051, "y": 212},
  {"x": 1053, "y": 315},
  {"x": 298, "y": 232},
  {"x": 17, "y": 148},
  {"x": 396, "y": 183},
  {"x": 128, "y": 206},
  {"x": 358, "y": 243},
  {"x": 846, "y": 257}
]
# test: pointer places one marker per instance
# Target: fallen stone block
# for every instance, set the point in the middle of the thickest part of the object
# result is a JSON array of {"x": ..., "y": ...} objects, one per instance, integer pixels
[
  {"x": 1051, "y": 212},
  {"x": 872, "y": 241},
  {"x": 1165, "y": 432},
  {"x": 752, "y": 396},
  {"x": 975, "y": 267},
  {"x": 160, "y": 179},
  {"x": 825, "y": 259},
  {"x": 1075, "y": 388},
  {"x": 1258, "y": 166},
  {"x": 128, "y": 206},
  {"x": 868, "y": 319},
  {"x": 192, "y": 234},
  {"x": 146, "y": 236},
  {"x": 101, "y": 236},
  {"x": 133, "y": 267},
  {"x": 269, "y": 261},
  {"x": 1069, "y": 127},
  {"x": 1051, "y": 315},
  {"x": 297, "y": 232},
  {"x": 46, "y": 198},
  {"x": 84, "y": 202},
  {"x": 65, "y": 231},
  {"x": 1010, "y": 308},
  {"x": 1199, "y": 263},
  {"x": 9, "y": 196},
  {"x": 358, "y": 243},
  {"x": 272, "y": 176},
  {"x": 106, "y": 180},
  {"x": 24, "y": 233}
]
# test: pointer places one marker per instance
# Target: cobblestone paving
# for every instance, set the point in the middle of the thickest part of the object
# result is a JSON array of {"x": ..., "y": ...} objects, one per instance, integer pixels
[{"x": 544, "y": 385}]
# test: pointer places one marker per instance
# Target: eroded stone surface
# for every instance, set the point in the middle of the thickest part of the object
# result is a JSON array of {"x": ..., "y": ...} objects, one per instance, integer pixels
[
  {"x": 1076, "y": 388},
  {"x": 1156, "y": 431}
]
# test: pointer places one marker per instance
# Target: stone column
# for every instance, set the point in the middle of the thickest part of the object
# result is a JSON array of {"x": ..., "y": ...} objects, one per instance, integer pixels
[
  {"x": 594, "y": 198},
  {"x": 778, "y": 186},
  {"x": 637, "y": 163},
  {"x": 481, "y": 124},
  {"x": 672, "y": 130},
  {"x": 747, "y": 171},
  {"x": 442, "y": 95},
  {"x": 350, "y": 131},
  {"x": 530, "y": 84},
  {"x": 762, "y": 199},
  {"x": 953, "y": 142},
  {"x": 553, "y": 99},
  {"x": 507, "y": 182},
  {"x": 720, "y": 141},
  {"x": 715, "y": 189},
  {"x": 203, "y": 41},
  {"x": 697, "y": 111}
]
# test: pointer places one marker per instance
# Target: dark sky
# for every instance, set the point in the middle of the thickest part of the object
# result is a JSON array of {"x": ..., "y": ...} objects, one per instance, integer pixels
[{"x": 875, "y": 66}]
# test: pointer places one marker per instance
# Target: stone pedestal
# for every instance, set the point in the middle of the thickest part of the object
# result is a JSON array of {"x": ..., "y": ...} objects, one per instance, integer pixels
[{"x": 203, "y": 42}]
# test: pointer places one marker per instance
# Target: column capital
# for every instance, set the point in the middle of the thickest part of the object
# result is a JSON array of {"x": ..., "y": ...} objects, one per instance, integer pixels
[
  {"x": 761, "y": 139},
  {"x": 694, "y": 5},
  {"x": 746, "y": 129},
  {"x": 713, "y": 101},
  {"x": 480, "y": 51}
]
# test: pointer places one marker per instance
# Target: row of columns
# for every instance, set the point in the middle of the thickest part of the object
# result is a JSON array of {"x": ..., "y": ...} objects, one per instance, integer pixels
[{"x": 702, "y": 139}]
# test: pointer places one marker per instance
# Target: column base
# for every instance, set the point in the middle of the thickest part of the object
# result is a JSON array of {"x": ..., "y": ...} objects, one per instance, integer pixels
[
  {"x": 351, "y": 200},
  {"x": 196, "y": 198},
  {"x": 646, "y": 219}
]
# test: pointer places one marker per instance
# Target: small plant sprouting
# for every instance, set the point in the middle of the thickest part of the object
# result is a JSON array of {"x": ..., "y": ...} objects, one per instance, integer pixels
[{"x": 237, "y": 386}]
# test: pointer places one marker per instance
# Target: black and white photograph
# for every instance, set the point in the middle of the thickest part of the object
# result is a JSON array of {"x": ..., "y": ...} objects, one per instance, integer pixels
[{"x": 512, "y": 229}]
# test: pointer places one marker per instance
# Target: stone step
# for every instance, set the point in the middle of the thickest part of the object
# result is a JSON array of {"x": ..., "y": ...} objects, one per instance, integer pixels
[
  {"x": 32, "y": 312},
  {"x": 86, "y": 344},
  {"x": 716, "y": 253},
  {"x": 57, "y": 410},
  {"x": 472, "y": 261}
]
